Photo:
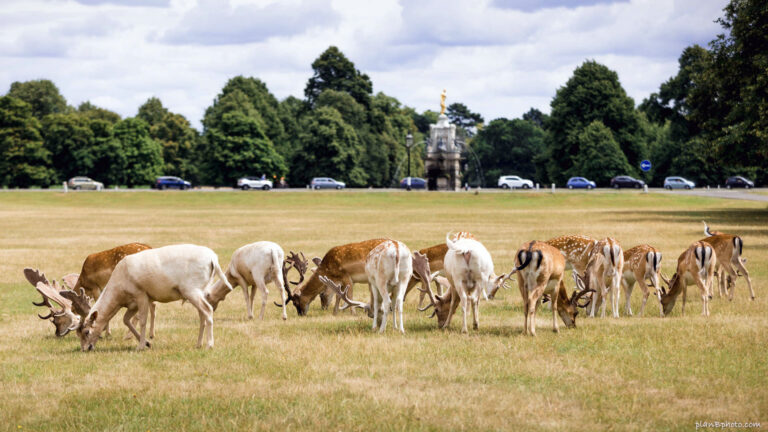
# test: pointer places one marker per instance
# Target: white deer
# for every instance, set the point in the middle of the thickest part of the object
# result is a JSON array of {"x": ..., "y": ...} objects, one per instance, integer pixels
[{"x": 166, "y": 274}]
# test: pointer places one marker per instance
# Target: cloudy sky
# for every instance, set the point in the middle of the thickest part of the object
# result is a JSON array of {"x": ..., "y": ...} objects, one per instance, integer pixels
[{"x": 499, "y": 57}]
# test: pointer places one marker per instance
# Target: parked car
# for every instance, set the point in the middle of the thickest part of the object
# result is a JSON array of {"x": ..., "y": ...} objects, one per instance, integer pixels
[
  {"x": 514, "y": 182},
  {"x": 739, "y": 181},
  {"x": 678, "y": 183},
  {"x": 168, "y": 182},
  {"x": 415, "y": 183},
  {"x": 626, "y": 182},
  {"x": 78, "y": 183},
  {"x": 580, "y": 183},
  {"x": 246, "y": 183},
  {"x": 326, "y": 183}
]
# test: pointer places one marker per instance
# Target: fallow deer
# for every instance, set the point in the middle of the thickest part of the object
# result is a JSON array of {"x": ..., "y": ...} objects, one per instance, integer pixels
[
  {"x": 540, "y": 268},
  {"x": 166, "y": 274},
  {"x": 728, "y": 249},
  {"x": 63, "y": 318},
  {"x": 388, "y": 267},
  {"x": 641, "y": 263},
  {"x": 254, "y": 265},
  {"x": 696, "y": 265},
  {"x": 469, "y": 269},
  {"x": 579, "y": 251}
]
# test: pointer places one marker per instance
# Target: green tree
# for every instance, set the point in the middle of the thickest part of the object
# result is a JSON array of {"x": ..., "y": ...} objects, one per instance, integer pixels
[
  {"x": 423, "y": 120},
  {"x": 93, "y": 112},
  {"x": 329, "y": 148},
  {"x": 42, "y": 95},
  {"x": 176, "y": 135},
  {"x": 70, "y": 140},
  {"x": 592, "y": 93},
  {"x": 351, "y": 111},
  {"x": 536, "y": 117},
  {"x": 143, "y": 155},
  {"x": 507, "y": 147},
  {"x": 462, "y": 117},
  {"x": 290, "y": 110},
  {"x": 333, "y": 70},
  {"x": 599, "y": 158},
  {"x": 24, "y": 161},
  {"x": 109, "y": 158}
]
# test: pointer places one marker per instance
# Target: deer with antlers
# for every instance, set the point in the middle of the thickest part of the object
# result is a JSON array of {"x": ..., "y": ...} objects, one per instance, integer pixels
[
  {"x": 469, "y": 270},
  {"x": 728, "y": 249},
  {"x": 389, "y": 267},
  {"x": 607, "y": 259},
  {"x": 696, "y": 265},
  {"x": 540, "y": 268},
  {"x": 64, "y": 318},
  {"x": 166, "y": 274},
  {"x": 255, "y": 265},
  {"x": 642, "y": 263}
]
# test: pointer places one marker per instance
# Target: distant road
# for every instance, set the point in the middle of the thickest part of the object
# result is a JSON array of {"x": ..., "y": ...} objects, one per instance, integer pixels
[{"x": 740, "y": 194}]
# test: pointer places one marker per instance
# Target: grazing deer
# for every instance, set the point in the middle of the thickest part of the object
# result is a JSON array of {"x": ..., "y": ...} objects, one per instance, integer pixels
[
  {"x": 166, "y": 274},
  {"x": 696, "y": 265},
  {"x": 388, "y": 266},
  {"x": 607, "y": 258},
  {"x": 63, "y": 319},
  {"x": 469, "y": 269},
  {"x": 540, "y": 268},
  {"x": 728, "y": 249},
  {"x": 641, "y": 263},
  {"x": 254, "y": 265}
]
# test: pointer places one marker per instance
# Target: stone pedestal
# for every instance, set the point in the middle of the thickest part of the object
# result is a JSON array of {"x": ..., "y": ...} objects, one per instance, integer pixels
[{"x": 443, "y": 161}]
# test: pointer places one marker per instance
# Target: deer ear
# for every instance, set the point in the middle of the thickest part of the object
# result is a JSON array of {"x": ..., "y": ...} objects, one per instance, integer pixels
[
  {"x": 92, "y": 317},
  {"x": 317, "y": 260}
]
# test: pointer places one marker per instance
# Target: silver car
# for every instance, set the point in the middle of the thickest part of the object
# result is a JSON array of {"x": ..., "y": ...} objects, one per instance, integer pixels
[
  {"x": 678, "y": 183},
  {"x": 78, "y": 183}
]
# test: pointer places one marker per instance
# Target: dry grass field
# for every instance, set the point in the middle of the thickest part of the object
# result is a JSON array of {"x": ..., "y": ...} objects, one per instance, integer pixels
[{"x": 323, "y": 372}]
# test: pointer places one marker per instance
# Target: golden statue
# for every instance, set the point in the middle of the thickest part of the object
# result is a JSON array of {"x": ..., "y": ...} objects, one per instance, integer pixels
[{"x": 442, "y": 102}]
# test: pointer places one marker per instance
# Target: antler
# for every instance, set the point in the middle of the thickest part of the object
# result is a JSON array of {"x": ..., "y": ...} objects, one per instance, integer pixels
[
  {"x": 70, "y": 280},
  {"x": 336, "y": 287},
  {"x": 582, "y": 293},
  {"x": 80, "y": 302},
  {"x": 299, "y": 262},
  {"x": 34, "y": 276},
  {"x": 664, "y": 278},
  {"x": 428, "y": 290},
  {"x": 421, "y": 270}
]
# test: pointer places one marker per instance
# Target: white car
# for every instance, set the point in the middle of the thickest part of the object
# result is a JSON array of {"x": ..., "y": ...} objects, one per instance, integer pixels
[
  {"x": 514, "y": 182},
  {"x": 246, "y": 183}
]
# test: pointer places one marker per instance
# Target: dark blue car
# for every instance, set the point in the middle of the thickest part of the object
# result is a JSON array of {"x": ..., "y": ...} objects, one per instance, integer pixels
[
  {"x": 170, "y": 182},
  {"x": 580, "y": 183},
  {"x": 415, "y": 182}
]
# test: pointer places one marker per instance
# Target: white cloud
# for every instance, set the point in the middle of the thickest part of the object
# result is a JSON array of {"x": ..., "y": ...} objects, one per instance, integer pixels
[{"x": 499, "y": 57}]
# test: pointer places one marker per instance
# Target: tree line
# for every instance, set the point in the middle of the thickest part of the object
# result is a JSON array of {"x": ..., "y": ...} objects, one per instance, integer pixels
[{"x": 707, "y": 122}]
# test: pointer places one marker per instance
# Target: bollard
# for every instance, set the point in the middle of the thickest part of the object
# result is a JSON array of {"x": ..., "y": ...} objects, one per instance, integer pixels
[
  {"x": 537, "y": 186},
  {"x": 65, "y": 186},
  {"x": 718, "y": 186},
  {"x": 553, "y": 188},
  {"x": 645, "y": 188},
  {"x": 115, "y": 187},
  {"x": 707, "y": 187}
]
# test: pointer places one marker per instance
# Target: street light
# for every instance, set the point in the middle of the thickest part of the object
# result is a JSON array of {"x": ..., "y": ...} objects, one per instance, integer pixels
[{"x": 408, "y": 145}]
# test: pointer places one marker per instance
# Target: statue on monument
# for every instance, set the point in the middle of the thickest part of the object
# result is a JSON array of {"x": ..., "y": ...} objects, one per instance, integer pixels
[{"x": 442, "y": 102}]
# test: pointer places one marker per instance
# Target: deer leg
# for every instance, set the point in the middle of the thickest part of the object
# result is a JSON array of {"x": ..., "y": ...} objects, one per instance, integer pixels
[
  {"x": 533, "y": 298},
  {"x": 704, "y": 295},
  {"x": 143, "y": 303},
  {"x": 129, "y": 314},
  {"x": 464, "y": 300},
  {"x": 628, "y": 294},
  {"x": 375, "y": 304},
  {"x": 385, "y": 305},
  {"x": 593, "y": 304},
  {"x": 555, "y": 298},
  {"x": 400, "y": 299},
  {"x": 262, "y": 287},
  {"x": 615, "y": 293},
  {"x": 152, "y": 320},
  {"x": 743, "y": 270},
  {"x": 604, "y": 294},
  {"x": 685, "y": 297},
  {"x": 454, "y": 295}
]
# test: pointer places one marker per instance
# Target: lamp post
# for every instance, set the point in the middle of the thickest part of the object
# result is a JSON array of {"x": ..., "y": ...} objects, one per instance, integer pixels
[{"x": 408, "y": 145}]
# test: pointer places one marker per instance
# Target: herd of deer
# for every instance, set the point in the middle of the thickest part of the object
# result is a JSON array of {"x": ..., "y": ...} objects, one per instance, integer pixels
[{"x": 135, "y": 276}]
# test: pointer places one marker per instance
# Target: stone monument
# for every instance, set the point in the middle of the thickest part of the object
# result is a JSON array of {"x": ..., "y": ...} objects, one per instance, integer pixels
[{"x": 443, "y": 161}]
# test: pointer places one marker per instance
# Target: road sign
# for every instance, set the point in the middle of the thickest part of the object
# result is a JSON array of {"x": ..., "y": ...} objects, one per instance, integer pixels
[{"x": 645, "y": 165}]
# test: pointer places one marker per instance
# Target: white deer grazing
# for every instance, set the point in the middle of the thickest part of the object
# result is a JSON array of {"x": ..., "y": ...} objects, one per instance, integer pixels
[
  {"x": 389, "y": 267},
  {"x": 166, "y": 274},
  {"x": 253, "y": 265},
  {"x": 469, "y": 269}
]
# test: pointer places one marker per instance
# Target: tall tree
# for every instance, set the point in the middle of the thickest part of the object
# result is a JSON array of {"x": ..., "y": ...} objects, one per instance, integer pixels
[
  {"x": 175, "y": 134},
  {"x": 42, "y": 95},
  {"x": 93, "y": 112},
  {"x": 507, "y": 147},
  {"x": 24, "y": 161},
  {"x": 143, "y": 155},
  {"x": 69, "y": 139},
  {"x": 462, "y": 117},
  {"x": 536, "y": 117},
  {"x": 600, "y": 158},
  {"x": 333, "y": 70},
  {"x": 592, "y": 93},
  {"x": 329, "y": 148}
]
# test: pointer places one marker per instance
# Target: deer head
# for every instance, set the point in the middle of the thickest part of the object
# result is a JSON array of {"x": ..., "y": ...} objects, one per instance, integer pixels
[
  {"x": 62, "y": 318},
  {"x": 669, "y": 294},
  {"x": 440, "y": 303},
  {"x": 300, "y": 263}
]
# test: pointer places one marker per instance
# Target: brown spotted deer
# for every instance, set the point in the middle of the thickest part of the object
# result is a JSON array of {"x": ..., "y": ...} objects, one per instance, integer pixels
[
  {"x": 696, "y": 265},
  {"x": 540, "y": 268},
  {"x": 255, "y": 265},
  {"x": 607, "y": 259},
  {"x": 166, "y": 274},
  {"x": 641, "y": 263},
  {"x": 728, "y": 249},
  {"x": 389, "y": 267}
]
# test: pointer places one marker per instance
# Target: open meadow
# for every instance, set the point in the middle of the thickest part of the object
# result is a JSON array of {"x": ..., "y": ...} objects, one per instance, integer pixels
[{"x": 322, "y": 372}]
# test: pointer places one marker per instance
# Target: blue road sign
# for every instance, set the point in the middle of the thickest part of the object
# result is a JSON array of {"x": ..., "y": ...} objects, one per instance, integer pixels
[{"x": 645, "y": 165}]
